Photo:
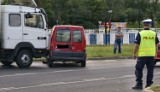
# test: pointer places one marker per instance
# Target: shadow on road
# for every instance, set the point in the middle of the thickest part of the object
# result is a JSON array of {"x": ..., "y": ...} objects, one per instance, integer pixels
[
  {"x": 39, "y": 66},
  {"x": 8, "y": 67}
]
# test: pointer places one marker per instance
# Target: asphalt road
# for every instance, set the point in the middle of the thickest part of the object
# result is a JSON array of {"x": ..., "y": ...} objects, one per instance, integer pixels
[{"x": 97, "y": 76}]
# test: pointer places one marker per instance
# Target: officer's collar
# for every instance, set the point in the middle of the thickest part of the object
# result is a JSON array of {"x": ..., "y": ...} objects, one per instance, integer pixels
[{"x": 146, "y": 29}]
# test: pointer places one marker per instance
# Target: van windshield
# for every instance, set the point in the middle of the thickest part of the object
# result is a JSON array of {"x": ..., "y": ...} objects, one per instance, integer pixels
[{"x": 63, "y": 35}]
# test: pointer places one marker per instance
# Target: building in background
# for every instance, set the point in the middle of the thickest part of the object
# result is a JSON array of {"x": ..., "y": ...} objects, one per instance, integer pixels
[{"x": 111, "y": 27}]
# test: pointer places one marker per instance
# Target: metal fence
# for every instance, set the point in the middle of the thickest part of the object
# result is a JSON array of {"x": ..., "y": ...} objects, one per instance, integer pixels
[{"x": 93, "y": 37}]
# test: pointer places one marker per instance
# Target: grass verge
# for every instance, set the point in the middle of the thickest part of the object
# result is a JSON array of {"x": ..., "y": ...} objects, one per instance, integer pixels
[
  {"x": 106, "y": 51},
  {"x": 155, "y": 88}
]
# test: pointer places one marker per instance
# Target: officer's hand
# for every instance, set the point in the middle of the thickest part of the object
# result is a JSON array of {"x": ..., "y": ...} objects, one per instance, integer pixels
[{"x": 134, "y": 56}]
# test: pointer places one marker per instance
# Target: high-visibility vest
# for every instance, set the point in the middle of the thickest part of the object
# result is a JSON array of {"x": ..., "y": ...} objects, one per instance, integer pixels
[{"x": 147, "y": 45}]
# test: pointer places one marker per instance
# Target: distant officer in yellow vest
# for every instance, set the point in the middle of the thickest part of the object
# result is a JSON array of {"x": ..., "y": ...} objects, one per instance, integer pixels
[{"x": 144, "y": 51}]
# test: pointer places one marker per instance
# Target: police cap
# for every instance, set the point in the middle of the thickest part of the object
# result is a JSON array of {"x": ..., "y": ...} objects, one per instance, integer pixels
[{"x": 147, "y": 21}]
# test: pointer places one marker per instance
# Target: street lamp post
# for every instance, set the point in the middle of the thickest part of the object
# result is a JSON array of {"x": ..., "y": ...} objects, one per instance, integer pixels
[
  {"x": 105, "y": 24},
  {"x": 100, "y": 22},
  {"x": 57, "y": 21},
  {"x": 106, "y": 13},
  {"x": 110, "y": 11}
]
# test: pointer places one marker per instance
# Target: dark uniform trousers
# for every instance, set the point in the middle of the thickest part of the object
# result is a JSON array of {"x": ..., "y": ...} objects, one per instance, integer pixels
[{"x": 141, "y": 62}]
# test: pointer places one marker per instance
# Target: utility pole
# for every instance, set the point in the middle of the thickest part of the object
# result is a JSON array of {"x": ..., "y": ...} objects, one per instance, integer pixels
[
  {"x": 105, "y": 24},
  {"x": 110, "y": 12}
]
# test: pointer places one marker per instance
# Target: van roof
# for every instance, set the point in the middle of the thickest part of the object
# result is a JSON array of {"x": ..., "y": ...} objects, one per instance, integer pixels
[{"x": 68, "y": 26}]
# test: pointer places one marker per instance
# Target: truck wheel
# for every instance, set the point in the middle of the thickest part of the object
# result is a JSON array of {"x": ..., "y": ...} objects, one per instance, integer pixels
[
  {"x": 24, "y": 59},
  {"x": 6, "y": 63},
  {"x": 83, "y": 63}
]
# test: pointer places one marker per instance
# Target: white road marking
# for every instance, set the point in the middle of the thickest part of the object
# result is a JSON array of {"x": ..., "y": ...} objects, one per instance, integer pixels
[
  {"x": 5, "y": 89},
  {"x": 53, "y": 84},
  {"x": 20, "y": 74},
  {"x": 94, "y": 79},
  {"x": 64, "y": 83},
  {"x": 60, "y": 71},
  {"x": 72, "y": 82}
]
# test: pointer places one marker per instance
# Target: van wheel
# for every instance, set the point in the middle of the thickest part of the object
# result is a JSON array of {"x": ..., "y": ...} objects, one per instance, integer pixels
[
  {"x": 6, "y": 63},
  {"x": 155, "y": 62},
  {"x": 24, "y": 59},
  {"x": 50, "y": 64},
  {"x": 83, "y": 63}
]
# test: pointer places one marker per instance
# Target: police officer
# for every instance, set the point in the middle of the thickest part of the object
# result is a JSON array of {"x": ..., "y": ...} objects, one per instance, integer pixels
[{"x": 144, "y": 51}]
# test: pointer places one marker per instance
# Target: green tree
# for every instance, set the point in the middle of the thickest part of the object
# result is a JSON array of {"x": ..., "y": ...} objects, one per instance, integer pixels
[
  {"x": 154, "y": 10},
  {"x": 117, "y": 6},
  {"x": 5, "y": 2},
  {"x": 136, "y": 10},
  {"x": 88, "y": 12}
]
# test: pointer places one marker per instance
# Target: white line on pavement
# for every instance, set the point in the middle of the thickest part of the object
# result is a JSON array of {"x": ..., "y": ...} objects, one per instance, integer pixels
[
  {"x": 72, "y": 82},
  {"x": 5, "y": 89},
  {"x": 53, "y": 84},
  {"x": 64, "y": 83},
  {"x": 61, "y": 71}
]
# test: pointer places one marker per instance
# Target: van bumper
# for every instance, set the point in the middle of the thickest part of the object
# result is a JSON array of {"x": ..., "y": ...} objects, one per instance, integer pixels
[{"x": 67, "y": 56}]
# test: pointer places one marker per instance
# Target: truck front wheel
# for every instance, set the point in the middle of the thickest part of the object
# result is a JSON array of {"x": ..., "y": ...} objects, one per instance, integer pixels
[{"x": 24, "y": 59}]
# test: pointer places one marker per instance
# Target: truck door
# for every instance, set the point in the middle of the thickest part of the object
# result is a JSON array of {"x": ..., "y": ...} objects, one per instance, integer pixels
[
  {"x": 34, "y": 30},
  {"x": 11, "y": 30}
]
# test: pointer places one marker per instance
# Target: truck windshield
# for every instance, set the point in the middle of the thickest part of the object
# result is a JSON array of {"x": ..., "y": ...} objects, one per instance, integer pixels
[
  {"x": 35, "y": 21},
  {"x": 63, "y": 36}
]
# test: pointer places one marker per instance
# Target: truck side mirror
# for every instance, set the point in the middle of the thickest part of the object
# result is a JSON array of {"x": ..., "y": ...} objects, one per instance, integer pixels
[{"x": 28, "y": 15}]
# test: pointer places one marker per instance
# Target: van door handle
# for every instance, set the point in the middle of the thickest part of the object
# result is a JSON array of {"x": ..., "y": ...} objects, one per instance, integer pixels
[
  {"x": 41, "y": 38},
  {"x": 25, "y": 33}
]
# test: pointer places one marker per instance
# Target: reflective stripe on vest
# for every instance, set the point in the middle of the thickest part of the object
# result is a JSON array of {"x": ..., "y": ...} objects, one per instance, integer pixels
[{"x": 147, "y": 45}]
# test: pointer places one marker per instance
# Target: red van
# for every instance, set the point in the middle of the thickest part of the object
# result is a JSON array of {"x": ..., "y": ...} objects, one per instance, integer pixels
[
  {"x": 157, "y": 58},
  {"x": 68, "y": 43}
]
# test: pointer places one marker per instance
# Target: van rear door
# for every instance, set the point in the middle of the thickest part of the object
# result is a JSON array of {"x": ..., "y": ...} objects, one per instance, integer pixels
[
  {"x": 63, "y": 42},
  {"x": 78, "y": 43}
]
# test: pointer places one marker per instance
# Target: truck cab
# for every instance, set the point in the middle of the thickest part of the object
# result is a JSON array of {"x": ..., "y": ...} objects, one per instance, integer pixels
[{"x": 23, "y": 35}]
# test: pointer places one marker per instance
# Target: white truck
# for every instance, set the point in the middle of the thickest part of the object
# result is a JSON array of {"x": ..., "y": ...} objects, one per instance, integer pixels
[{"x": 23, "y": 34}]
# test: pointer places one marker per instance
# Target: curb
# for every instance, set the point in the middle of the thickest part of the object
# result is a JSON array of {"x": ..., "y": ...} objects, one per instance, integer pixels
[
  {"x": 148, "y": 89},
  {"x": 109, "y": 58},
  {"x": 97, "y": 58}
]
